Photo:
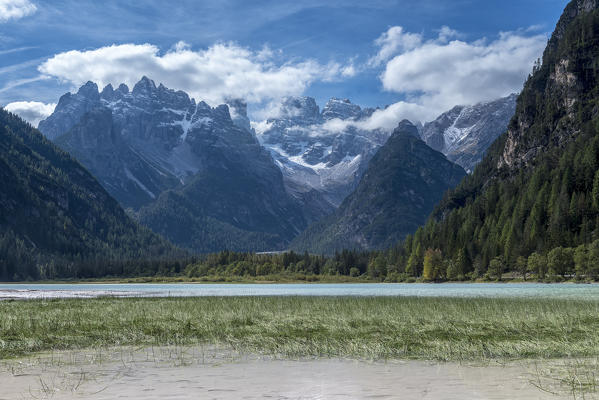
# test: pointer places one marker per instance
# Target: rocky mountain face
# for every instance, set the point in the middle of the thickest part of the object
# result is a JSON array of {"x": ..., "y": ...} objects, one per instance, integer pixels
[
  {"x": 322, "y": 163},
  {"x": 464, "y": 133},
  {"x": 565, "y": 80},
  {"x": 318, "y": 162},
  {"x": 144, "y": 143},
  {"x": 56, "y": 220},
  {"x": 154, "y": 149},
  {"x": 537, "y": 188},
  {"x": 402, "y": 184}
]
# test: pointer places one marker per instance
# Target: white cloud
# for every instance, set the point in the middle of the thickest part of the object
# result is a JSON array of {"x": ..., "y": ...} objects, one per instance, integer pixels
[
  {"x": 214, "y": 74},
  {"x": 446, "y": 33},
  {"x": 393, "y": 41},
  {"x": 15, "y": 9},
  {"x": 385, "y": 119},
  {"x": 349, "y": 71},
  {"x": 261, "y": 126},
  {"x": 437, "y": 74},
  {"x": 31, "y": 111}
]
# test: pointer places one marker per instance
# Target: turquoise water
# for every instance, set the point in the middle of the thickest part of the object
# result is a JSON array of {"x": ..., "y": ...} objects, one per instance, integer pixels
[{"x": 29, "y": 291}]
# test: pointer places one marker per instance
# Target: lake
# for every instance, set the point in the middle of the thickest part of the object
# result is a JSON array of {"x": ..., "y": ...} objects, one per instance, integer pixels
[{"x": 49, "y": 291}]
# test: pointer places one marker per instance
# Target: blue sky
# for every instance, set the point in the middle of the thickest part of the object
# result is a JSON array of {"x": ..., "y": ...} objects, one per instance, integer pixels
[{"x": 332, "y": 37}]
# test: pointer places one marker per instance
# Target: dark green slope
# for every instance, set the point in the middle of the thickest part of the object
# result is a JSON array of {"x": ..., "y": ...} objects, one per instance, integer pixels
[
  {"x": 55, "y": 218},
  {"x": 218, "y": 210},
  {"x": 403, "y": 182},
  {"x": 538, "y": 186}
]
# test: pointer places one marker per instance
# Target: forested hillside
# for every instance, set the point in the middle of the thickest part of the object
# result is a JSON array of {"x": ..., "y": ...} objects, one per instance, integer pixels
[
  {"x": 57, "y": 221},
  {"x": 536, "y": 193}
]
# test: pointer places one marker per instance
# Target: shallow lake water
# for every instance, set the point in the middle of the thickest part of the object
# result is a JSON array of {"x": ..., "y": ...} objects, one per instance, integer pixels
[
  {"x": 199, "y": 373},
  {"x": 511, "y": 290}
]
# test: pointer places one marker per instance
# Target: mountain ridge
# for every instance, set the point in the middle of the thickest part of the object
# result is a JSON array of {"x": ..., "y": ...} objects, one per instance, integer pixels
[
  {"x": 153, "y": 140},
  {"x": 399, "y": 189}
]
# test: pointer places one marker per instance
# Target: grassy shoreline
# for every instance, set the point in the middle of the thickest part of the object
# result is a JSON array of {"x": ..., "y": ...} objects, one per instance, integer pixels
[
  {"x": 269, "y": 279},
  {"x": 448, "y": 329}
]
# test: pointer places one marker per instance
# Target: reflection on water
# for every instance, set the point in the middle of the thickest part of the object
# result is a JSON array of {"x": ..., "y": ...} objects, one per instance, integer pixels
[{"x": 33, "y": 291}]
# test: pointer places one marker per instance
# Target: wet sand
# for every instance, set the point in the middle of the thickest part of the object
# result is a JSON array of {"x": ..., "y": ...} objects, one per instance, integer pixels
[{"x": 184, "y": 373}]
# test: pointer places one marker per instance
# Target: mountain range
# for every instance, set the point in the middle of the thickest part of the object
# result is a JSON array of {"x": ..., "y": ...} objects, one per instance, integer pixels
[
  {"x": 403, "y": 182},
  {"x": 188, "y": 171},
  {"x": 464, "y": 133},
  {"x": 206, "y": 180},
  {"x": 314, "y": 158},
  {"x": 123, "y": 174}
]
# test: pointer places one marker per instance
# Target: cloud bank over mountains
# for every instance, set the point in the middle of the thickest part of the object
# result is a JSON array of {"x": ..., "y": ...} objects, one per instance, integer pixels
[
  {"x": 429, "y": 76},
  {"x": 435, "y": 75},
  {"x": 441, "y": 73},
  {"x": 222, "y": 71}
]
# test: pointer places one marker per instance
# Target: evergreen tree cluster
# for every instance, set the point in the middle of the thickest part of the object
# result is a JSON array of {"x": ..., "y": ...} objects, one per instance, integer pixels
[
  {"x": 548, "y": 197},
  {"x": 56, "y": 220},
  {"x": 227, "y": 263}
]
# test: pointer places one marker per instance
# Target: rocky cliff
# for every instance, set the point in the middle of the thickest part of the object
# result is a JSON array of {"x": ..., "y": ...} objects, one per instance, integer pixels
[
  {"x": 464, "y": 133},
  {"x": 143, "y": 143}
]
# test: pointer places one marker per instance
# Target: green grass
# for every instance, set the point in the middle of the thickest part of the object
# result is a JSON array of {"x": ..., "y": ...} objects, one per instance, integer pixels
[{"x": 371, "y": 328}]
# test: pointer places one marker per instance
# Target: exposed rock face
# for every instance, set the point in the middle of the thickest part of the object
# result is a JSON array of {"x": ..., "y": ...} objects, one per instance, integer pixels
[
  {"x": 560, "y": 81},
  {"x": 69, "y": 110},
  {"x": 403, "y": 182},
  {"x": 463, "y": 133},
  {"x": 143, "y": 134},
  {"x": 143, "y": 143},
  {"x": 323, "y": 157},
  {"x": 319, "y": 160}
]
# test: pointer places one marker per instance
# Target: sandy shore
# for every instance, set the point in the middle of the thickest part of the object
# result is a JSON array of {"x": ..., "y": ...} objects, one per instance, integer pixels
[{"x": 186, "y": 373}]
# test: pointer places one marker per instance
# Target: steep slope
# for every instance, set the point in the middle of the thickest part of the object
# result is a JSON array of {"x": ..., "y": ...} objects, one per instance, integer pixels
[
  {"x": 403, "y": 182},
  {"x": 154, "y": 141},
  {"x": 132, "y": 179},
  {"x": 464, "y": 133},
  {"x": 538, "y": 186},
  {"x": 55, "y": 218},
  {"x": 135, "y": 142},
  {"x": 238, "y": 203}
]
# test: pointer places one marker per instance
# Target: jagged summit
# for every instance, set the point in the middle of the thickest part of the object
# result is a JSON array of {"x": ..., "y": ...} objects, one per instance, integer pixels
[
  {"x": 154, "y": 121},
  {"x": 300, "y": 109},
  {"x": 407, "y": 128},
  {"x": 145, "y": 86},
  {"x": 342, "y": 109},
  {"x": 317, "y": 161},
  {"x": 162, "y": 154},
  {"x": 89, "y": 90}
]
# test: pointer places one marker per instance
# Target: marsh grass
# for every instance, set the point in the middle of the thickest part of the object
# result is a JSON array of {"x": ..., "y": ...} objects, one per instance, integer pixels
[{"x": 375, "y": 328}]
